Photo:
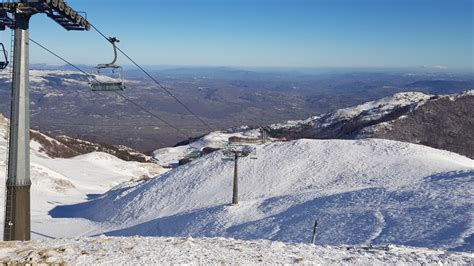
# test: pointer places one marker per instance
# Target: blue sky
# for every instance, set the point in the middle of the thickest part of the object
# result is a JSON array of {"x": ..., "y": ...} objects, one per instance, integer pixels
[{"x": 269, "y": 33}]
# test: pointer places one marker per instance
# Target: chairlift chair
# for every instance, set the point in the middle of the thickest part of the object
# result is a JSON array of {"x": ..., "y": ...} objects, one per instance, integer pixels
[
  {"x": 253, "y": 154},
  {"x": 4, "y": 60},
  {"x": 248, "y": 150},
  {"x": 111, "y": 81}
]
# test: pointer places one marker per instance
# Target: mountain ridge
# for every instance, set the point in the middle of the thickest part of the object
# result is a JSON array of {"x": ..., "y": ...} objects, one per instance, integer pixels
[
  {"x": 63, "y": 146},
  {"x": 439, "y": 121}
]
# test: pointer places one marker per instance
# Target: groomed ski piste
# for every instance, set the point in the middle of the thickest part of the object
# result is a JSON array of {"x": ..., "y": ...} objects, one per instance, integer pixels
[{"x": 376, "y": 201}]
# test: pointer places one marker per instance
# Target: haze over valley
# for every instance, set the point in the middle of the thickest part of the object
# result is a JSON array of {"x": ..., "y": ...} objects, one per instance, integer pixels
[{"x": 62, "y": 103}]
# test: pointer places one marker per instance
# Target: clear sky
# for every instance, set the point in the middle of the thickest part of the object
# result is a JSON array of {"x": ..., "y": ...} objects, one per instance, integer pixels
[{"x": 269, "y": 33}]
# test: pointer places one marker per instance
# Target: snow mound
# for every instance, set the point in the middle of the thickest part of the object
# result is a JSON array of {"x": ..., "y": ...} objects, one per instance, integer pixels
[
  {"x": 362, "y": 192},
  {"x": 151, "y": 251}
]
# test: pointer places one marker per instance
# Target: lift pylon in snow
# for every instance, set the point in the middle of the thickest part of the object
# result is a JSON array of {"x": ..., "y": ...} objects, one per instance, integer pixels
[
  {"x": 16, "y": 15},
  {"x": 233, "y": 153},
  {"x": 111, "y": 81}
]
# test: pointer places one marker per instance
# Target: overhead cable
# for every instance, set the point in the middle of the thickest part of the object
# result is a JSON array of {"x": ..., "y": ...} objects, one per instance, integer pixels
[
  {"x": 144, "y": 109},
  {"x": 156, "y": 81}
]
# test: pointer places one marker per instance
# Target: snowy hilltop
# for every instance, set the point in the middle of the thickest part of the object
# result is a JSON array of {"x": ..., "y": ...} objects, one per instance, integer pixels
[{"x": 361, "y": 191}]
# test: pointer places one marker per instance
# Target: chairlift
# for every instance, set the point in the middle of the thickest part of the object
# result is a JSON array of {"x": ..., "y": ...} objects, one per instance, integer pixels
[
  {"x": 253, "y": 154},
  {"x": 263, "y": 135},
  {"x": 109, "y": 76},
  {"x": 4, "y": 60},
  {"x": 247, "y": 150},
  {"x": 228, "y": 155}
]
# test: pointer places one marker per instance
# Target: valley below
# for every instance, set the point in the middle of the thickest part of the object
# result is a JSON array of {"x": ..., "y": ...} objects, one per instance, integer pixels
[{"x": 62, "y": 102}]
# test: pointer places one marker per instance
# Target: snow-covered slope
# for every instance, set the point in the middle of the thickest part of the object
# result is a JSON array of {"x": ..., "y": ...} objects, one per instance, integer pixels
[
  {"x": 361, "y": 191},
  {"x": 153, "y": 251},
  {"x": 68, "y": 181},
  {"x": 375, "y": 110}
]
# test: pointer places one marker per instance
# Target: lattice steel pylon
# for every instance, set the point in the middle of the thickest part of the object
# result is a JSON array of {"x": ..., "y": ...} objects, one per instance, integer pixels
[{"x": 16, "y": 15}]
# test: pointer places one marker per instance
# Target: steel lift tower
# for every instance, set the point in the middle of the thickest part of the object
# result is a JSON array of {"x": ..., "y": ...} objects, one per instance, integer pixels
[
  {"x": 16, "y": 16},
  {"x": 233, "y": 153}
]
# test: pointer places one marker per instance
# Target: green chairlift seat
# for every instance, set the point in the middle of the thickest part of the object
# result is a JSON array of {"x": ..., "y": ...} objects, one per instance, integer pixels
[
  {"x": 107, "y": 86},
  {"x": 111, "y": 81}
]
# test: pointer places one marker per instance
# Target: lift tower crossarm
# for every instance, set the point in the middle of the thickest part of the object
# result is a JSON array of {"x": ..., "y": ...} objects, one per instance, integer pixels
[
  {"x": 57, "y": 10},
  {"x": 16, "y": 15}
]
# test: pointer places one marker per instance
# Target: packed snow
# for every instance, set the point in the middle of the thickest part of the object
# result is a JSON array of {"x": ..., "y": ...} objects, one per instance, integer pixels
[
  {"x": 148, "y": 251},
  {"x": 361, "y": 191}
]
